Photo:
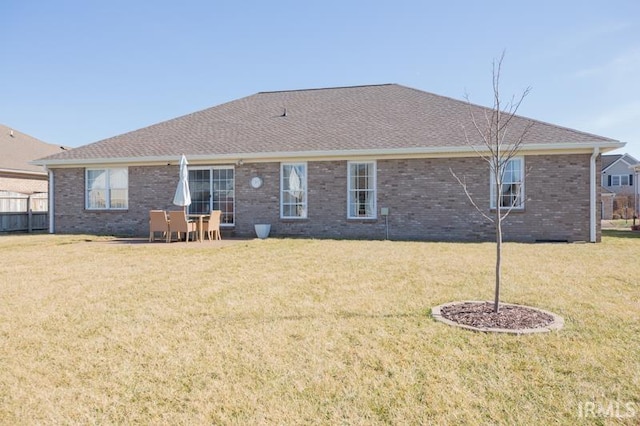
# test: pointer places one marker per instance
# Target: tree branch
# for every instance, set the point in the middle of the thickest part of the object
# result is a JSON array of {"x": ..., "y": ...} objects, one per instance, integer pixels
[
  {"x": 498, "y": 151},
  {"x": 463, "y": 184}
]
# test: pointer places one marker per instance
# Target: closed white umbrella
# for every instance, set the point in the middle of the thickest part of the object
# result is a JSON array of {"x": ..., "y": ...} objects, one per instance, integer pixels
[{"x": 183, "y": 196}]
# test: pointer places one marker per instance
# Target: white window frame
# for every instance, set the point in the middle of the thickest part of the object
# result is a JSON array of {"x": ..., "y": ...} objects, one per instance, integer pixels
[
  {"x": 620, "y": 179},
  {"x": 107, "y": 188},
  {"x": 302, "y": 206},
  {"x": 521, "y": 195},
  {"x": 211, "y": 170},
  {"x": 351, "y": 192}
]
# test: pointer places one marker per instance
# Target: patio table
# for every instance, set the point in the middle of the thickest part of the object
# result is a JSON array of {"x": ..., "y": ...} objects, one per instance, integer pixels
[{"x": 200, "y": 219}]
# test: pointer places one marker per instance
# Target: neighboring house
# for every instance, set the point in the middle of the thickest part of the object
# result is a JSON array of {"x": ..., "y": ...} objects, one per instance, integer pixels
[
  {"x": 353, "y": 162},
  {"x": 19, "y": 179},
  {"x": 620, "y": 184}
]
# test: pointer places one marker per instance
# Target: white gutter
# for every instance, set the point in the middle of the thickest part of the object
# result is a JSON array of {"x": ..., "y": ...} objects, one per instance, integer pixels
[
  {"x": 637, "y": 187},
  {"x": 23, "y": 172},
  {"x": 416, "y": 152},
  {"x": 51, "y": 203},
  {"x": 592, "y": 196}
]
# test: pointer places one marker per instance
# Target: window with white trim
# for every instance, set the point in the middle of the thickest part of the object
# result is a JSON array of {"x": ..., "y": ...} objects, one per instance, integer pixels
[
  {"x": 361, "y": 197},
  {"x": 512, "y": 191},
  {"x": 620, "y": 180},
  {"x": 293, "y": 190},
  {"x": 213, "y": 188},
  {"x": 107, "y": 189}
]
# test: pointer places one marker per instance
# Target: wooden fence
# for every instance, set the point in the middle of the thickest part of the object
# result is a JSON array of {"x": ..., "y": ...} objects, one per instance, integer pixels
[
  {"x": 24, "y": 222},
  {"x": 23, "y": 213}
]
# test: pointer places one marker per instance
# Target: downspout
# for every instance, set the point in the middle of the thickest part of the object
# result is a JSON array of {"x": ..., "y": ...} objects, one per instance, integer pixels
[
  {"x": 592, "y": 198},
  {"x": 51, "y": 202},
  {"x": 635, "y": 195}
]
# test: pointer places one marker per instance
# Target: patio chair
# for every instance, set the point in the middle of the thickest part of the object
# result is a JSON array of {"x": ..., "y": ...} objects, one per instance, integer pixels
[
  {"x": 178, "y": 223},
  {"x": 158, "y": 223},
  {"x": 213, "y": 225}
]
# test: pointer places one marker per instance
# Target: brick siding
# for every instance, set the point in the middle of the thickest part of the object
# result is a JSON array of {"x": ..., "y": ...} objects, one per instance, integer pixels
[{"x": 425, "y": 202}]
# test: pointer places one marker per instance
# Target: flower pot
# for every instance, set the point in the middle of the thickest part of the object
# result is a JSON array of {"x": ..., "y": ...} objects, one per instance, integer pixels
[{"x": 262, "y": 230}]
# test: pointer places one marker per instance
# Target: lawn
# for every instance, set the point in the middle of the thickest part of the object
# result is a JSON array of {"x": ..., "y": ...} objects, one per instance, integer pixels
[
  {"x": 301, "y": 331},
  {"x": 618, "y": 224}
]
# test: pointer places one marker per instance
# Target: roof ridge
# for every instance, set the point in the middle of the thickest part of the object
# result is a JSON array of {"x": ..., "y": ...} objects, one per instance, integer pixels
[{"x": 328, "y": 88}]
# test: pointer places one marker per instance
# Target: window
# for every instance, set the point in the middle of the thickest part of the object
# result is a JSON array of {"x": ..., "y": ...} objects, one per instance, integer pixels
[
  {"x": 293, "y": 190},
  {"x": 512, "y": 192},
  {"x": 620, "y": 180},
  {"x": 213, "y": 188},
  {"x": 361, "y": 177},
  {"x": 107, "y": 189}
]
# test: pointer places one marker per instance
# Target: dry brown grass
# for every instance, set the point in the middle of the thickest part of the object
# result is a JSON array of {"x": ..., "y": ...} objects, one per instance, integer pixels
[{"x": 309, "y": 332}]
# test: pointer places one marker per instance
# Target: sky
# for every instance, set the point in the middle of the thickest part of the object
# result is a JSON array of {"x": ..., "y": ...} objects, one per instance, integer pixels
[{"x": 74, "y": 72}]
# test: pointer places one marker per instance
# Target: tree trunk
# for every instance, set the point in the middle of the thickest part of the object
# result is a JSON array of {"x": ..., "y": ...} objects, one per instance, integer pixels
[{"x": 496, "y": 303}]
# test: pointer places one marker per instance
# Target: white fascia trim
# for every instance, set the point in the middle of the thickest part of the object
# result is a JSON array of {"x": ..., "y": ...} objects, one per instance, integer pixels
[
  {"x": 97, "y": 162},
  {"x": 23, "y": 172},
  {"x": 395, "y": 153}
]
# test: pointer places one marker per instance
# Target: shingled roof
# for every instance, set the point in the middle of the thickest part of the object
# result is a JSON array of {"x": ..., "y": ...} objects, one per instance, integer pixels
[
  {"x": 610, "y": 160},
  {"x": 363, "y": 119},
  {"x": 18, "y": 149}
]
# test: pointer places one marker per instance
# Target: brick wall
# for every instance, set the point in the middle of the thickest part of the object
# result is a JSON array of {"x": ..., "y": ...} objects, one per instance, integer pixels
[
  {"x": 149, "y": 188},
  {"x": 425, "y": 202}
]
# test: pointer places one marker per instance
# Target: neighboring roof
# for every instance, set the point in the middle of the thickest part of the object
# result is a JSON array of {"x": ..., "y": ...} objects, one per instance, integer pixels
[
  {"x": 604, "y": 191},
  {"x": 17, "y": 150},
  {"x": 357, "y": 120},
  {"x": 609, "y": 160}
]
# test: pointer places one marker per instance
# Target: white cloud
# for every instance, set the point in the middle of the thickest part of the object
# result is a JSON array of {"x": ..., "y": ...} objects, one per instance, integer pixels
[{"x": 624, "y": 64}]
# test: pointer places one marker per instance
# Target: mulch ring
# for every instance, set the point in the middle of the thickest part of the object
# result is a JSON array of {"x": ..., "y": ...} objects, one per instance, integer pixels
[{"x": 479, "y": 316}]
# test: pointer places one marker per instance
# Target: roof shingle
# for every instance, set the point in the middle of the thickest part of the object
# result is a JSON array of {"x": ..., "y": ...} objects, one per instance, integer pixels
[
  {"x": 17, "y": 150},
  {"x": 380, "y": 117}
]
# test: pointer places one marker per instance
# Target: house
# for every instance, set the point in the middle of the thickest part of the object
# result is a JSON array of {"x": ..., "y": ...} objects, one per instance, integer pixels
[
  {"x": 354, "y": 162},
  {"x": 619, "y": 183},
  {"x": 20, "y": 181}
]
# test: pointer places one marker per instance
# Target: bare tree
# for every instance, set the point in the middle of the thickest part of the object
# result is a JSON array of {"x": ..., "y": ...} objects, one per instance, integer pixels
[{"x": 497, "y": 147}]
